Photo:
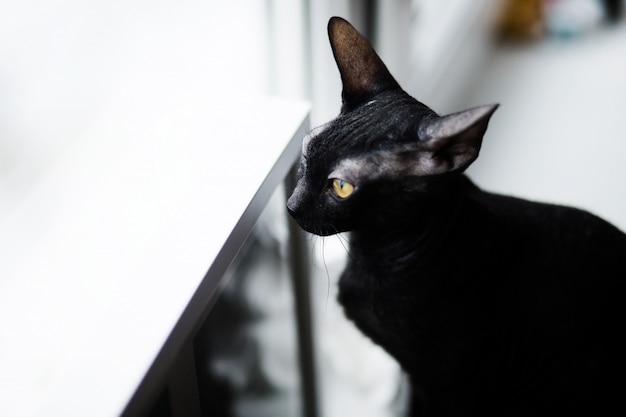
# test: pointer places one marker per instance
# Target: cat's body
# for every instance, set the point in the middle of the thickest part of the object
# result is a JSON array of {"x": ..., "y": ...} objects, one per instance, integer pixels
[
  {"x": 498, "y": 305},
  {"x": 494, "y": 306}
]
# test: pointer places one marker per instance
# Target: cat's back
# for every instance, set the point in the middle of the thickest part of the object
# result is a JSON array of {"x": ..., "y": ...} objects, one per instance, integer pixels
[
  {"x": 548, "y": 236},
  {"x": 563, "y": 281},
  {"x": 558, "y": 270}
]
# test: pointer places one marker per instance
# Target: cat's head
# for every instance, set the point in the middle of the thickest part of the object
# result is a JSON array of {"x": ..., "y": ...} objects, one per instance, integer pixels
[{"x": 384, "y": 148}]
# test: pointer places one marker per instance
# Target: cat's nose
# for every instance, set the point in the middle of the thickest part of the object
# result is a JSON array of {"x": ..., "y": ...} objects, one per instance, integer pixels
[{"x": 293, "y": 208}]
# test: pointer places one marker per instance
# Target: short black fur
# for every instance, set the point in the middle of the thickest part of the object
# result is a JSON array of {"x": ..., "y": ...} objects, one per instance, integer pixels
[{"x": 493, "y": 305}]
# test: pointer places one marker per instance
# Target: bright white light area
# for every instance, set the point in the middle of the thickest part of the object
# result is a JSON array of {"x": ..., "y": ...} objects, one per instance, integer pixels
[
  {"x": 133, "y": 135},
  {"x": 60, "y": 63}
]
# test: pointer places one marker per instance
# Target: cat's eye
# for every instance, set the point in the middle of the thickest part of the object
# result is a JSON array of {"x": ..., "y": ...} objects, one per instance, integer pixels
[{"x": 342, "y": 188}]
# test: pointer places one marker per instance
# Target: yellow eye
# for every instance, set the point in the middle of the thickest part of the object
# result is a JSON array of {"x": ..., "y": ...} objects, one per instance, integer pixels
[{"x": 342, "y": 188}]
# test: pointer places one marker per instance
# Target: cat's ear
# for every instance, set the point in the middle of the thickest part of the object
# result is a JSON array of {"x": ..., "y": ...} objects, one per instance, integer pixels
[
  {"x": 453, "y": 141},
  {"x": 363, "y": 73}
]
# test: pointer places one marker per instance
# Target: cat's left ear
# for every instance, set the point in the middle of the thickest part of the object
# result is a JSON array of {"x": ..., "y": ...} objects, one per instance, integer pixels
[
  {"x": 453, "y": 141},
  {"x": 363, "y": 73}
]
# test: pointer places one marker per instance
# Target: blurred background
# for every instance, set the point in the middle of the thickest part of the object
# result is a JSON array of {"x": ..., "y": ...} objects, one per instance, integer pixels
[{"x": 557, "y": 67}]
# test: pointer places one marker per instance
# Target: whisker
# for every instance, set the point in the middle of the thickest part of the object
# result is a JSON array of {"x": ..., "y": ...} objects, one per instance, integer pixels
[
  {"x": 327, "y": 274},
  {"x": 313, "y": 245},
  {"x": 344, "y": 242},
  {"x": 312, "y": 241}
]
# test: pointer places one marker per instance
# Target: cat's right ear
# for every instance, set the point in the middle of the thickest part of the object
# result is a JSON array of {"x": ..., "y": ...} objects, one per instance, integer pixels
[
  {"x": 363, "y": 73},
  {"x": 452, "y": 142}
]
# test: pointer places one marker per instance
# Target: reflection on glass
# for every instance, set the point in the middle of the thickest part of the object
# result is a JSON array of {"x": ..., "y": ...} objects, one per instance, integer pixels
[{"x": 246, "y": 352}]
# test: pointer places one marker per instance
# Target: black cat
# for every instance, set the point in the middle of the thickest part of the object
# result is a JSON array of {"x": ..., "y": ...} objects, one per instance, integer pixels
[{"x": 493, "y": 305}]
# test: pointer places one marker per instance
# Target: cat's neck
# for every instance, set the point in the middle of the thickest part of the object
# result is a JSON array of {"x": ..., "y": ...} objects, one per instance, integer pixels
[{"x": 422, "y": 234}]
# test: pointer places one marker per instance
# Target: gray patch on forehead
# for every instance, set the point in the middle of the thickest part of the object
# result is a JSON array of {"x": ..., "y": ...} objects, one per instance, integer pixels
[
  {"x": 383, "y": 165},
  {"x": 352, "y": 169},
  {"x": 312, "y": 134}
]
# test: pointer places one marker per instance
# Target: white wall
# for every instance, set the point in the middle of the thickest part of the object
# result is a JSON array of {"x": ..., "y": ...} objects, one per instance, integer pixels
[
  {"x": 437, "y": 48},
  {"x": 558, "y": 135}
]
